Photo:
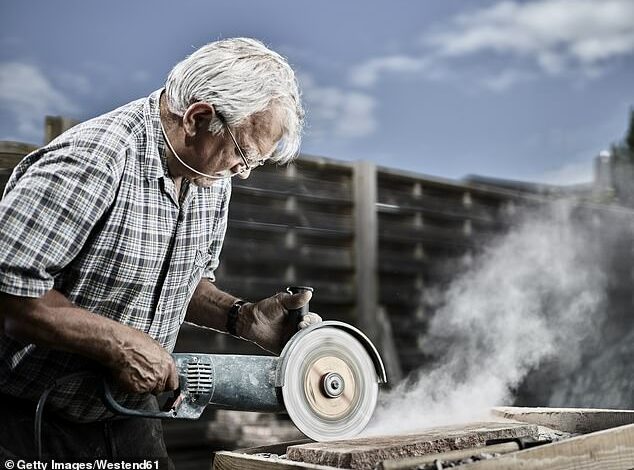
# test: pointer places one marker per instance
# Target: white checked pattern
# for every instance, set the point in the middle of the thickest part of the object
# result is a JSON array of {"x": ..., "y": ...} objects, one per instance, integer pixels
[{"x": 95, "y": 215}]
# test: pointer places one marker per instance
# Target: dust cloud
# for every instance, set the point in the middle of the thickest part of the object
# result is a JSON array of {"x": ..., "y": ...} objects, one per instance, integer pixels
[{"x": 535, "y": 294}]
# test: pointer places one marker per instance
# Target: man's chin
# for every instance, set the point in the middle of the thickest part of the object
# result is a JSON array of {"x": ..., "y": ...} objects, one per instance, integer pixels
[{"x": 203, "y": 182}]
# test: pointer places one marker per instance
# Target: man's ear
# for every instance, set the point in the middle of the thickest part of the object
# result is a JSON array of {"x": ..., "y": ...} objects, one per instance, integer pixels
[{"x": 197, "y": 118}]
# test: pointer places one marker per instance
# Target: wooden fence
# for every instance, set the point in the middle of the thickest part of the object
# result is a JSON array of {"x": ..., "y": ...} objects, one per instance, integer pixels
[{"x": 370, "y": 240}]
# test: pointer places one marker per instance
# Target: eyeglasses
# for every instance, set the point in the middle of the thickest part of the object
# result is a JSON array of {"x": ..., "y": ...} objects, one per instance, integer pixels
[{"x": 248, "y": 165}]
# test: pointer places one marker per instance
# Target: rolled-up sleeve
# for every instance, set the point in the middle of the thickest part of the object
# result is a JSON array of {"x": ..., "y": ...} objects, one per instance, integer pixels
[
  {"x": 46, "y": 216},
  {"x": 218, "y": 234}
]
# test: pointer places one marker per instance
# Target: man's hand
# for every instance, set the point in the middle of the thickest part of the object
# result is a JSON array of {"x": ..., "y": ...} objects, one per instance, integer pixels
[
  {"x": 142, "y": 365},
  {"x": 267, "y": 322}
]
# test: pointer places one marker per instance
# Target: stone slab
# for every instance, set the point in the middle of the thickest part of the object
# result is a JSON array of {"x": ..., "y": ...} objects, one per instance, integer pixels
[{"x": 365, "y": 453}]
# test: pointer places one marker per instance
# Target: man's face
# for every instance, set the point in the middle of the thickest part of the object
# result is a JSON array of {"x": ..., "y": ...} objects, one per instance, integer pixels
[{"x": 257, "y": 136}]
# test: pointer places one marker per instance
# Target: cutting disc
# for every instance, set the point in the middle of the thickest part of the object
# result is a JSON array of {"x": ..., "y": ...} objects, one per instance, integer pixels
[{"x": 331, "y": 387}]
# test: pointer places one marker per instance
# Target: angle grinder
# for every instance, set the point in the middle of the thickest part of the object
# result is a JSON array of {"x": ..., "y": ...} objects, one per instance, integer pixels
[{"x": 326, "y": 379}]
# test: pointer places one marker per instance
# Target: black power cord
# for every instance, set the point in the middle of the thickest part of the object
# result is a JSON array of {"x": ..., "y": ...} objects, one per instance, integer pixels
[{"x": 39, "y": 410}]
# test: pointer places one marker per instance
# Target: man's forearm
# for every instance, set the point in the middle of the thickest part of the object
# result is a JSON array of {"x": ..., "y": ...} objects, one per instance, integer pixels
[
  {"x": 209, "y": 307},
  {"x": 54, "y": 322}
]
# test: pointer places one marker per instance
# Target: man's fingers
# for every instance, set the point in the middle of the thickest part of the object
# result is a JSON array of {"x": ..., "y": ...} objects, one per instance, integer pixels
[
  {"x": 308, "y": 320},
  {"x": 293, "y": 301}
]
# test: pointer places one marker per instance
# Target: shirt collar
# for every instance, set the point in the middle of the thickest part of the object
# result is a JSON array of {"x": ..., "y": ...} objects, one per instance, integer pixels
[{"x": 155, "y": 157}]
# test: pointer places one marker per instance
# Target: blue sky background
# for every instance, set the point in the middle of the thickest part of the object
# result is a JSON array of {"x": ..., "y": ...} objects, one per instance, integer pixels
[{"x": 529, "y": 90}]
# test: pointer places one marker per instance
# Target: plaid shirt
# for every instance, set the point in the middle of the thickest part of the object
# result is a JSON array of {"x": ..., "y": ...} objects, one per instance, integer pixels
[{"x": 95, "y": 215}]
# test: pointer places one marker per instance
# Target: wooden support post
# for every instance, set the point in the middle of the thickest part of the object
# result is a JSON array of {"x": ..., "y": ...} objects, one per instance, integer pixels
[
  {"x": 366, "y": 247},
  {"x": 56, "y": 125}
]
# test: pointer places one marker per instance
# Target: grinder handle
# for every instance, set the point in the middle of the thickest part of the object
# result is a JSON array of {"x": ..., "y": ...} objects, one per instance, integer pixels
[
  {"x": 114, "y": 406},
  {"x": 296, "y": 315}
]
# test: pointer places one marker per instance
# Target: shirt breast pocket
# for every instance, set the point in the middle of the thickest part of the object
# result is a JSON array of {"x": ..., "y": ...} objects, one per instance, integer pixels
[{"x": 202, "y": 259}]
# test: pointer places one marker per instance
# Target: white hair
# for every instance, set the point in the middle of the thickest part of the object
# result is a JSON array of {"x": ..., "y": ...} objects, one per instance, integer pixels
[{"x": 239, "y": 77}]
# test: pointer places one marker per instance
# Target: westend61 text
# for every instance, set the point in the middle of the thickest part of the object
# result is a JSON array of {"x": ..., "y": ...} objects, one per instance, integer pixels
[{"x": 95, "y": 465}]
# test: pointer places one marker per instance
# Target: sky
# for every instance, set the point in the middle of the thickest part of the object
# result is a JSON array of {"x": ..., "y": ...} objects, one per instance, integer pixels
[{"x": 525, "y": 90}]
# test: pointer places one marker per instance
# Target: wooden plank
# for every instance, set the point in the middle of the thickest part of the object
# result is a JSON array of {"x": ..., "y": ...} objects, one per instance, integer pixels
[
  {"x": 236, "y": 461},
  {"x": 12, "y": 152},
  {"x": 573, "y": 420},
  {"x": 608, "y": 449},
  {"x": 365, "y": 453}
]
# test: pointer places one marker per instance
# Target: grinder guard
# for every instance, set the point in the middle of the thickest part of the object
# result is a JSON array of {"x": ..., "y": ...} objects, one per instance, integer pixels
[{"x": 358, "y": 334}]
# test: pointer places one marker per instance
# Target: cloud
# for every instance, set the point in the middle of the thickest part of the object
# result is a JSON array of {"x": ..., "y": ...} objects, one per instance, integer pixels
[
  {"x": 28, "y": 95},
  {"x": 570, "y": 173},
  {"x": 518, "y": 42},
  {"x": 367, "y": 73},
  {"x": 338, "y": 112},
  {"x": 506, "y": 79},
  {"x": 75, "y": 82},
  {"x": 557, "y": 35}
]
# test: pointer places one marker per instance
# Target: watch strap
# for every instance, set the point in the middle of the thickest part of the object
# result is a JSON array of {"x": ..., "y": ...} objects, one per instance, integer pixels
[{"x": 232, "y": 316}]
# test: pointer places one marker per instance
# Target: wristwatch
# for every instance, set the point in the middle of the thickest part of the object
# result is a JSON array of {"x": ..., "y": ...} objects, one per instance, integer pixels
[{"x": 232, "y": 316}]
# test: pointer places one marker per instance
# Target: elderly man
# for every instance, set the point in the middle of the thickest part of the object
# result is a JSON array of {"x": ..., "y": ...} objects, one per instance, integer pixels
[{"x": 109, "y": 238}]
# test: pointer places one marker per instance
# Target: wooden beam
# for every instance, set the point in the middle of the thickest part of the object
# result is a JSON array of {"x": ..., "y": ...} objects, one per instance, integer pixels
[
  {"x": 365, "y": 453},
  {"x": 608, "y": 449},
  {"x": 572, "y": 420}
]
